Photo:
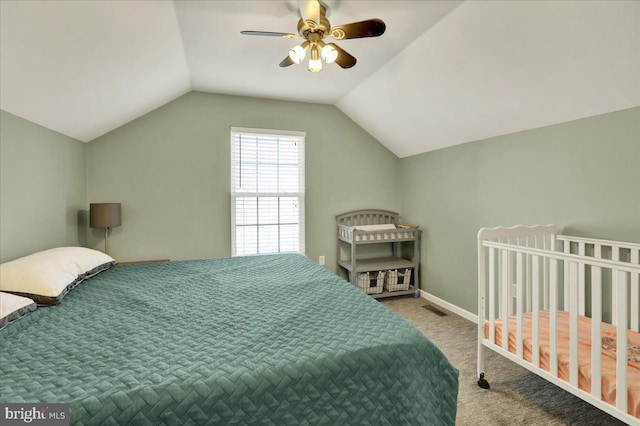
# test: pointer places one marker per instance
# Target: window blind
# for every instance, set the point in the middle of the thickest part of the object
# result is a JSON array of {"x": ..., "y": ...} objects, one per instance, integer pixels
[{"x": 267, "y": 191}]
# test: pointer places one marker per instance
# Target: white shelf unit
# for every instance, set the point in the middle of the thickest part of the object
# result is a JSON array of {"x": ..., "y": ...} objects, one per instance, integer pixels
[{"x": 401, "y": 235}]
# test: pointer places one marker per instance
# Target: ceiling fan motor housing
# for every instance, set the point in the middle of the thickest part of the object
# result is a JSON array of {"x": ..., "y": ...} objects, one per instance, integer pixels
[{"x": 310, "y": 30}]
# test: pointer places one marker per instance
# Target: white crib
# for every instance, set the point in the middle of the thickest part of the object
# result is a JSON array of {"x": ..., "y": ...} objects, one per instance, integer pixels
[{"x": 530, "y": 279}]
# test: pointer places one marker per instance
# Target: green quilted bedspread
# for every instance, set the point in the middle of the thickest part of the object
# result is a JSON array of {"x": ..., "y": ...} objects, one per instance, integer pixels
[{"x": 250, "y": 340}]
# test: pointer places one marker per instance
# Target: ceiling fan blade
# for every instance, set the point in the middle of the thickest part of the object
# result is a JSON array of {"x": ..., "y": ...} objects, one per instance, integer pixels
[
  {"x": 309, "y": 10},
  {"x": 367, "y": 28},
  {"x": 344, "y": 59},
  {"x": 286, "y": 62},
  {"x": 270, "y": 34}
]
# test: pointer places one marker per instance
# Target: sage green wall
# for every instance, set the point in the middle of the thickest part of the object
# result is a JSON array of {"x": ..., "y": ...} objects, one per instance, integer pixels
[
  {"x": 170, "y": 169},
  {"x": 43, "y": 191},
  {"x": 583, "y": 176}
]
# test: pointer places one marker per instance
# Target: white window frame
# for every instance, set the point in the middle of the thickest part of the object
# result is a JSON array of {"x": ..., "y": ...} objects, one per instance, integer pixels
[{"x": 301, "y": 181}]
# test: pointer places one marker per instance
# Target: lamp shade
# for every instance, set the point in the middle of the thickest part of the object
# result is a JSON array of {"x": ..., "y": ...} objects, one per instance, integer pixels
[{"x": 105, "y": 215}]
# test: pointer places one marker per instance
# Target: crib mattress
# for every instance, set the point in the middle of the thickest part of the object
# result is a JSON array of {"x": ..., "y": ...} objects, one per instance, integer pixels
[{"x": 608, "y": 360}]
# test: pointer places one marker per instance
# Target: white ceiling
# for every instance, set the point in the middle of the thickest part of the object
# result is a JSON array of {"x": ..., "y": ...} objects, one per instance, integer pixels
[
  {"x": 491, "y": 68},
  {"x": 444, "y": 73}
]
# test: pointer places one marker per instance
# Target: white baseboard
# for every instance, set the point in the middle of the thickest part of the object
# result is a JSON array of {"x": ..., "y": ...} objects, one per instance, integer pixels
[{"x": 449, "y": 306}]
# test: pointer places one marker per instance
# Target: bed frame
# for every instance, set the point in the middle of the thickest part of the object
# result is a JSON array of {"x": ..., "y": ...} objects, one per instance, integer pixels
[{"x": 531, "y": 268}]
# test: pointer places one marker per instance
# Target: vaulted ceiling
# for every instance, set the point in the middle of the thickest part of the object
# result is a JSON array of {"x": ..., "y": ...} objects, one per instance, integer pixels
[{"x": 444, "y": 73}]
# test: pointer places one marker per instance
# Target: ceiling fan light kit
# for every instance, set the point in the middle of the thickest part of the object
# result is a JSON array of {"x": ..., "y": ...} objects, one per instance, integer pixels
[{"x": 313, "y": 26}]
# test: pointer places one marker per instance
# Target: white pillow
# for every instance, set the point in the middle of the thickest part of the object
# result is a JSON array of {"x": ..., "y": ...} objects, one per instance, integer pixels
[
  {"x": 48, "y": 275},
  {"x": 13, "y": 307}
]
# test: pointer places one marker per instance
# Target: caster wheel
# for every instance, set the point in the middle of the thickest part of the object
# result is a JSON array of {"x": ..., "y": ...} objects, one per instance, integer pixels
[{"x": 482, "y": 382}]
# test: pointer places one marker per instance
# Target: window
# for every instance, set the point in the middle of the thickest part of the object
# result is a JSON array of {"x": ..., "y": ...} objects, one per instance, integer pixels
[{"x": 267, "y": 191}]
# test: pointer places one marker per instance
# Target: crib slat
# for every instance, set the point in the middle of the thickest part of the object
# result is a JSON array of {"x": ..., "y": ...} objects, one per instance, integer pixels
[
  {"x": 619, "y": 282},
  {"x": 528, "y": 290},
  {"x": 532, "y": 241},
  {"x": 510, "y": 278},
  {"x": 504, "y": 296},
  {"x": 565, "y": 283},
  {"x": 545, "y": 273},
  {"x": 596, "y": 325},
  {"x": 493, "y": 282},
  {"x": 573, "y": 324},
  {"x": 520, "y": 283},
  {"x": 553, "y": 317},
  {"x": 615, "y": 255},
  {"x": 597, "y": 251},
  {"x": 581, "y": 280},
  {"x": 635, "y": 293},
  {"x": 535, "y": 282}
]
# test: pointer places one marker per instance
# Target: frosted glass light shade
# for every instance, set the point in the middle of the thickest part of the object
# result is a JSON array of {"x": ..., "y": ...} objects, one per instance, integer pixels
[
  {"x": 329, "y": 54},
  {"x": 297, "y": 54}
]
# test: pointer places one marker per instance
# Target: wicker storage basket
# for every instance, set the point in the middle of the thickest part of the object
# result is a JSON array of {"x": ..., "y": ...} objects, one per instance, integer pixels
[
  {"x": 398, "y": 280},
  {"x": 371, "y": 282}
]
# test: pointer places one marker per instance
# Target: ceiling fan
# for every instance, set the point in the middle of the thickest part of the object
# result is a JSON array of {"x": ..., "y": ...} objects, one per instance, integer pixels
[{"x": 313, "y": 27}]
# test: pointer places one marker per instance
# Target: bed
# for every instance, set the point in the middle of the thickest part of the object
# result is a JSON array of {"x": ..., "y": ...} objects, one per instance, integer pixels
[
  {"x": 273, "y": 339},
  {"x": 556, "y": 304}
]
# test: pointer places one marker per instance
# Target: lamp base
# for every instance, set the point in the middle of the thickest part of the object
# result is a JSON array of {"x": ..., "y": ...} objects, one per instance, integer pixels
[{"x": 106, "y": 240}]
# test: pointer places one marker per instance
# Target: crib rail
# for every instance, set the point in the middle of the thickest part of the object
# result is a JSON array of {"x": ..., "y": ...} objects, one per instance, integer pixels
[
  {"x": 530, "y": 269},
  {"x": 602, "y": 249}
]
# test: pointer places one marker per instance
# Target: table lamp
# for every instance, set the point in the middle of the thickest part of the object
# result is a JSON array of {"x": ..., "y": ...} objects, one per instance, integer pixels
[{"x": 105, "y": 215}]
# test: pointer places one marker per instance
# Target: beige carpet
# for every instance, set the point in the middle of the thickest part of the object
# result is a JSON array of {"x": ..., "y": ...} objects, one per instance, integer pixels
[{"x": 516, "y": 397}]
